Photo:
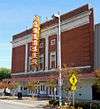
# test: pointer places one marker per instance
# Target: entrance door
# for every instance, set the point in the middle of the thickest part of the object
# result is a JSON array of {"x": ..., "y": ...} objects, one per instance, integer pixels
[{"x": 96, "y": 92}]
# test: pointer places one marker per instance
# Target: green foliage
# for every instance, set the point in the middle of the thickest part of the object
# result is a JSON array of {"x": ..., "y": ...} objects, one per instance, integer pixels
[
  {"x": 33, "y": 85},
  {"x": 52, "y": 83},
  {"x": 5, "y": 73}
]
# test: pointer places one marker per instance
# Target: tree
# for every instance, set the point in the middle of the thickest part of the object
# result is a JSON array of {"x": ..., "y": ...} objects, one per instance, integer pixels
[
  {"x": 97, "y": 72},
  {"x": 5, "y": 73},
  {"x": 53, "y": 85},
  {"x": 33, "y": 85}
]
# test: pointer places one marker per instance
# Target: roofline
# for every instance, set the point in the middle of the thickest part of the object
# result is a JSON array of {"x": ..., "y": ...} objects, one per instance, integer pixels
[{"x": 54, "y": 20}]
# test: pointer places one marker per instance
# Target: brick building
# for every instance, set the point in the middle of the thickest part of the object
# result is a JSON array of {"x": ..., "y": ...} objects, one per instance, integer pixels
[{"x": 77, "y": 50}]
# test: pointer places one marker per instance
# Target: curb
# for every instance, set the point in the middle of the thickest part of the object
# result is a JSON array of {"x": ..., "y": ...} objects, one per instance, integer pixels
[{"x": 23, "y": 104}]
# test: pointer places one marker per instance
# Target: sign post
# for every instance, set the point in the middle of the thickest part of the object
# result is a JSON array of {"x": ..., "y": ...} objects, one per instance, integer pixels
[{"x": 73, "y": 81}]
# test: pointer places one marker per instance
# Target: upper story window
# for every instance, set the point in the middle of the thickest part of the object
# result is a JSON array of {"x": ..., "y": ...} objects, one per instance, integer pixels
[
  {"x": 52, "y": 42},
  {"x": 30, "y": 68},
  {"x": 41, "y": 66},
  {"x": 41, "y": 45},
  {"x": 29, "y": 64},
  {"x": 53, "y": 60}
]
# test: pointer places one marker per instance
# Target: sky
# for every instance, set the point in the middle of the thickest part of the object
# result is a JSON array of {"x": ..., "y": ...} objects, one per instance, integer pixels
[{"x": 17, "y": 16}]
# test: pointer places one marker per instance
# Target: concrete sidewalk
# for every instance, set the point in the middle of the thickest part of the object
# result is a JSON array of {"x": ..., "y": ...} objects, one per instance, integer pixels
[
  {"x": 26, "y": 101},
  {"x": 15, "y": 98}
]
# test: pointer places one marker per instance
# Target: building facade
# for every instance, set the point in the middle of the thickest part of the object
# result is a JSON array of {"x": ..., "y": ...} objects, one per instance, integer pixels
[
  {"x": 97, "y": 46},
  {"x": 77, "y": 50}
]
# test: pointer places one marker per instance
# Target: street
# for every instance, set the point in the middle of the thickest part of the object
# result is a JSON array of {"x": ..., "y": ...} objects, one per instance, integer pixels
[{"x": 10, "y": 105}]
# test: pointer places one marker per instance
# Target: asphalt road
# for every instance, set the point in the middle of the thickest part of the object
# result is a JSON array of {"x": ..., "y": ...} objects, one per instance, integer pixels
[{"x": 5, "y": 105}]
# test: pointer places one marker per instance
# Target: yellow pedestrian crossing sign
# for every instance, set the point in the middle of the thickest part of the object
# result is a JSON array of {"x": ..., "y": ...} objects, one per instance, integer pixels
[{"x": 73, "y": 79}]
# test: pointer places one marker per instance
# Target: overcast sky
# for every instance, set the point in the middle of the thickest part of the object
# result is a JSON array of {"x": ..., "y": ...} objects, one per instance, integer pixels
[{"x": 16, "y": 15}]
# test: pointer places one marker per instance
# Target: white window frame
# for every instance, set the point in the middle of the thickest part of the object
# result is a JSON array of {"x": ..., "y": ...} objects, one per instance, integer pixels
[
  {"x": 29, "y": 64},
  {"x": 41, "y": 61},
  {"x": 51, "y": 54}
]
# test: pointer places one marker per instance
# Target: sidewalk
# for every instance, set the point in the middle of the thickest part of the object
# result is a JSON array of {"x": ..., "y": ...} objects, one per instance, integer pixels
[{"x": 26, "y": 101}]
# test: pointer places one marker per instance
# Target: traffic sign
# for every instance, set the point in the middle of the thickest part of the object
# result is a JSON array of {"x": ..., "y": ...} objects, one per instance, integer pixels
[
  {"x": 73, "y": 79},
  {"x": 73, "y": 88}
]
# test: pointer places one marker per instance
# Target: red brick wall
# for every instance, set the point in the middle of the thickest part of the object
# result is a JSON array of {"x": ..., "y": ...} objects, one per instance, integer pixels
[
  {"x": 77, "y": 46},
  {"x": 18, "y": 59},
  {"x": 29, "y": 54}
]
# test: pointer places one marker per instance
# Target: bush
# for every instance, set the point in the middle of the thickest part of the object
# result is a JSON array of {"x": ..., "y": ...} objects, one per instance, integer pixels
[
  {"x": 51, "y": 102},
  {"x": 63, "y": 103},
  {"x": 54, "y": 102},
  {"x": 83, "y": 105},
  {"x": 95, "y": 106}
]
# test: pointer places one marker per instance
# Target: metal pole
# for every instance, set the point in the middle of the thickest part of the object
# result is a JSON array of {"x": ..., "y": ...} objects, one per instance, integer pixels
[
  {"x": 73, "y": 99},
  {"x": 90, "y": 105},
  {"x": 59, "y": 42},
  {"x": 59, "y": 60},
  {"x": 55, "y": 93},
  {"x": 60, "y": 91}
]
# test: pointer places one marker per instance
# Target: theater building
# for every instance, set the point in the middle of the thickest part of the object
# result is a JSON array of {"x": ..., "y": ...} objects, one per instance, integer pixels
[{"x": 77, "y": 50}]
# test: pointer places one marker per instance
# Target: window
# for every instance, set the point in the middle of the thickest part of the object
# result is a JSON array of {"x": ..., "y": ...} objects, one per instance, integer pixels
[
  {"x": 52, "y": 42},
  {"x": 41, "y": 45},
  {"x": 30, "y": 68},
  {"x": 29, "y": 64},
  {"x": 53, "y": 60},
  {"x": 41, "y": 66}
]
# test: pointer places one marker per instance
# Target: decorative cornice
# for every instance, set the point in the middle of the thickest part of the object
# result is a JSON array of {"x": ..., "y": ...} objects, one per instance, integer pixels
[
  {"x": 41, "y": 71},
  {"x": 33, "y": 72},
  {"x": 21, "y": 41}
]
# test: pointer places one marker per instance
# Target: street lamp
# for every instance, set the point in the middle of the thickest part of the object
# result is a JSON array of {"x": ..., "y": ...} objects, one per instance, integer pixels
[{"x": 59, "y": 57}]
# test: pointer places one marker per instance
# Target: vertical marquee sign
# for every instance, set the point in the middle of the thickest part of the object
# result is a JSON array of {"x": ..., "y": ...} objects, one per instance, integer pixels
[{"x": 35, "y": 41}]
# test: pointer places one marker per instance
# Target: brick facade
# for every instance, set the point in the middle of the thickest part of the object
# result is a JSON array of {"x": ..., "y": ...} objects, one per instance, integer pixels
[
  {"x": 76, "y": 50},
  {"x": 18, "y": 59},
  {"x": 77, "y": 43}
]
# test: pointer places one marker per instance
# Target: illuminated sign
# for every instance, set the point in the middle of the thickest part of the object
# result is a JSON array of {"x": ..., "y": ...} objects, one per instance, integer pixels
[{"x": 35, "y": 41}]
